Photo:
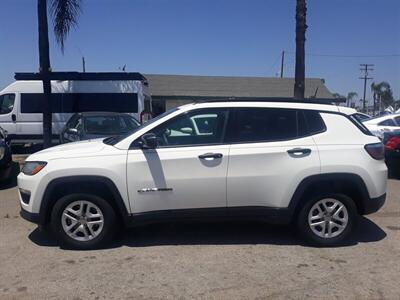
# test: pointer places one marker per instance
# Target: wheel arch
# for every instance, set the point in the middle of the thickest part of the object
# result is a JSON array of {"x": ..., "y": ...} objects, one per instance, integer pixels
[
  {"x": 96, "y": 185},
  {"x": 348, "y": 184}
]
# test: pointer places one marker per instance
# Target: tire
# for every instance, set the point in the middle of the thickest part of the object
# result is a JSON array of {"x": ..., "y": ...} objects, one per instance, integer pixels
[
  {"x": 313, "y": 223},
  {"x": 89, "y": 232}
]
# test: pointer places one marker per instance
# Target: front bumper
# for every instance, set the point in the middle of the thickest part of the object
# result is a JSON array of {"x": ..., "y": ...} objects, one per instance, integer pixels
[
  {"x": 32, "y": 217},
  {"x": 373, "y": 204}
]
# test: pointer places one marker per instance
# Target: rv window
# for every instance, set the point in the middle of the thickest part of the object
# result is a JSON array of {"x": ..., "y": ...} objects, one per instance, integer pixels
[
  {"x": 6, "y": 103},
  {"x": 81, "y": 102}
]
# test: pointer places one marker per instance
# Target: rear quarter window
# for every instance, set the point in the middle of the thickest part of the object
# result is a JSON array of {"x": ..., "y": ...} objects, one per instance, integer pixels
[{"x": 356, "y": 121}]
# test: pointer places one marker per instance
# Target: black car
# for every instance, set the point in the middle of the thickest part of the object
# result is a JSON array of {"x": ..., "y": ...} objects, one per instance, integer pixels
[
  {"x": 5, "y": 156},
  {"x": 92, "y": 125}
]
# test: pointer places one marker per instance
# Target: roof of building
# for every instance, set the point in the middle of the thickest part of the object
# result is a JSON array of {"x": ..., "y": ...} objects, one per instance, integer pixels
[{"x": 227, "y": 86}]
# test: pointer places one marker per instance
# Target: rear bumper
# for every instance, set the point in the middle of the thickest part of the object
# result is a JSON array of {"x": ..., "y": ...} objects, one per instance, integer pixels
[{"x": 372, "y": 205}]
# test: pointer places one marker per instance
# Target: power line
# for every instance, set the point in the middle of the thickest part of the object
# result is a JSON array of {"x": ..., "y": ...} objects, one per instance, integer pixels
[{"x": 349, "y": 56}]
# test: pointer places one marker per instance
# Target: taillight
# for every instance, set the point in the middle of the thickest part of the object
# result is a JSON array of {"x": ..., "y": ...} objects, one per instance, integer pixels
[
  {"x": 393, "y": 143},
  {"x": 376, "y": 150}
]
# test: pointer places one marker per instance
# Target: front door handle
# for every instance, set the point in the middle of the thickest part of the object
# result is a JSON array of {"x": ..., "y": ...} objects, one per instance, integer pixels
[
  {"x": 14, "y": 118},
  {"x": 209, "y": 156},
  {"x": 299, "y": 152}
]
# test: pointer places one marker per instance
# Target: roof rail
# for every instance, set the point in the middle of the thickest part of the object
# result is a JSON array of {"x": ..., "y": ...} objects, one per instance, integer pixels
[{"x": 275, "y": 99}]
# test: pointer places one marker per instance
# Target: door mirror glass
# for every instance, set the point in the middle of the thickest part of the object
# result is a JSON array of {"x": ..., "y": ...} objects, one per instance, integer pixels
[{"x": 149, "y": 141}]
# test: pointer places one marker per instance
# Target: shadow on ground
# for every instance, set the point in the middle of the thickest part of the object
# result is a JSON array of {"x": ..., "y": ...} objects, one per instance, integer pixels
[
  {"x": 12, "y": 180},
  {"x": 227, "y": 233}
]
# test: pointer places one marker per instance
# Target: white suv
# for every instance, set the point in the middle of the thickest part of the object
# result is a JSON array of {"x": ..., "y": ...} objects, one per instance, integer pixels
[{"x": 313, "y": 165}]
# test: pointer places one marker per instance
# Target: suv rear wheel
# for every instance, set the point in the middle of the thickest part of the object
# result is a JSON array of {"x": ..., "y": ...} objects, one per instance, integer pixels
[
  {"x": 83, "y": 221},
  {"x": 327, "y": 220}
]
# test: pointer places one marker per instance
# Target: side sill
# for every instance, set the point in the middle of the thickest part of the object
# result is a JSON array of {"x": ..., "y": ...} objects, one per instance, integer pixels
[{"x": 252, "y": 213}]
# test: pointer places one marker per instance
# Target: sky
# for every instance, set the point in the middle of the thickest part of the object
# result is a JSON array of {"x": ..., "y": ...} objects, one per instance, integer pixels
[{"x": 214, "y": 37}]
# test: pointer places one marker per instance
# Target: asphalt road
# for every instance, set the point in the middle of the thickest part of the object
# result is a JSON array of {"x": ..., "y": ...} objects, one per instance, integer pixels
[{"x": 217, "y": 261}]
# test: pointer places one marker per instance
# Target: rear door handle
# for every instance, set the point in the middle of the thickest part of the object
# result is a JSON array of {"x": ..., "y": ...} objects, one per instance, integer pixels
[
  {"x": 210, "y": 156},
  {"x": 299, "y": 152}
]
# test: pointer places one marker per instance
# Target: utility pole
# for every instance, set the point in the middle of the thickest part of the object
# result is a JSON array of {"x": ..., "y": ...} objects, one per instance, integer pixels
[
  {"x": 282, "y": 62},
  {"x": 83, "y": 64},
  {"x": 365, "y": 68},
  {"x": 301, "y": 27}
]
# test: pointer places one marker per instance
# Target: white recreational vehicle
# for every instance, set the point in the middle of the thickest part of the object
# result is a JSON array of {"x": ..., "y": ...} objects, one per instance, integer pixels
[{"x": 21, "y": 102}]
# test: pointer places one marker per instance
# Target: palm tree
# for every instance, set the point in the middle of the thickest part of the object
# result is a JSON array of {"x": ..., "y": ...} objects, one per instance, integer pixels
[
  {"x": 64, "y": 14},
  {"x": 350, "y": 97},
  {"x": 301, "y": 26},
  {"x": 382, "y": 94}
]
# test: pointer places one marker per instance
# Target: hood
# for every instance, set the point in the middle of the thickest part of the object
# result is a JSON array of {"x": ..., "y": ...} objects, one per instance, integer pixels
[{"x": 76, "y": 149}]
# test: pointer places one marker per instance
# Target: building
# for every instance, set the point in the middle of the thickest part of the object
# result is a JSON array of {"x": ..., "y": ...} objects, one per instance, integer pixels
[{"x": 170, "y": 91}]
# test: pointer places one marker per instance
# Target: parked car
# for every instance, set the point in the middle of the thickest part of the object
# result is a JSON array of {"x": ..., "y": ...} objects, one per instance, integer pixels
[
  {"x": 92, "y": 125},
  {"x": 306, "y": 164},
  {"x": 21, "y": 102},
  {"x": 5, "y": 156},
  {"x": 391, "y": 141},
  {"x": 378, "y": 126}
]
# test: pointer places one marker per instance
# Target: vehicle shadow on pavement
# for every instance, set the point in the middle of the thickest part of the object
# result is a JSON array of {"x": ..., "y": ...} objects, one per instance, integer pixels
[
  {"x": 11, "y": 181},
  {"x": 227, "y": 233}
]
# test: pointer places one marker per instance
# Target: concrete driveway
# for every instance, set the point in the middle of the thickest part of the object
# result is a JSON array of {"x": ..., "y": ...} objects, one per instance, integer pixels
[{"x": 219, "y": 261}]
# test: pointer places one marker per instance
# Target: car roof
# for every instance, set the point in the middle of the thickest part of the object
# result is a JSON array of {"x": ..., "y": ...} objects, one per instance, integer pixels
[
  {"x": 100, "y": 114},
  {"x": 272, "y": 104}
]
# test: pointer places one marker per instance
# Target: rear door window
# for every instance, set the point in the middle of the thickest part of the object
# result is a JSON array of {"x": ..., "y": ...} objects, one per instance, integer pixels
[{"x": 251, "y": 125}]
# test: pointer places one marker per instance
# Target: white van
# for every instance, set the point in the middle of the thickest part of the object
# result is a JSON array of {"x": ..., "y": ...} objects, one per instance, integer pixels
[{"x": 21, "y": 102}]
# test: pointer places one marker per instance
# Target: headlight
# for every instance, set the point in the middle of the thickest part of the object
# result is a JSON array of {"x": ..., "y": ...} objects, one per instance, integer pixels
[
  {"x": 33, "y": 167},
  {"x": 2, "y": 152}
]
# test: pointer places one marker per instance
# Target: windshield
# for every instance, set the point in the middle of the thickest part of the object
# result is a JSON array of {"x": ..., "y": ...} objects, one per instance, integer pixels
[
  {"x": 106, "y": 125},
  {"x": 116, "y": 139}
]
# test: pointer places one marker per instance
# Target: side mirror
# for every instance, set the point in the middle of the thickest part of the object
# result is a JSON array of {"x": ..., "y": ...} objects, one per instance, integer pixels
[
  {"x": 149, "y": 141},
  {"x": 72, "y": 131}
]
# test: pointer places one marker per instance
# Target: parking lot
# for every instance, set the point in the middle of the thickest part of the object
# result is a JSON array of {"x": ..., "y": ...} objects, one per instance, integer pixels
[{"x": 213, "y": 260}]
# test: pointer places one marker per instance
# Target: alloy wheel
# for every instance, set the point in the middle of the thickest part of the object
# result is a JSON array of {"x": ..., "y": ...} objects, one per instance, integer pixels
[
  {"x": 328, "y": 218},
  {"x": 82, "y": 220}
]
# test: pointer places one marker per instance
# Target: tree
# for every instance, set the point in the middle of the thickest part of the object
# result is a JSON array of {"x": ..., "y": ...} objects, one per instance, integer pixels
[
  {"x": 64, "y": 14},
  {"x": 383, "y": 94},
  {"x": 350, "y": 97},
  {"x": 301, "y": 27}
]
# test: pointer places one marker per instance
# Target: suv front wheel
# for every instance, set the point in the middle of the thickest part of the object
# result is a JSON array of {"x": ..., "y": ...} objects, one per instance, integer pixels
[
  {"x": 83, "y": 221},
  {"x": 327, "y": 220}
]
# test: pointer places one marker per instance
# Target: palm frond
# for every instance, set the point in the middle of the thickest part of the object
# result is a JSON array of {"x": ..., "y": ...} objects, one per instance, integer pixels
[{"x": 65, "y": 15}]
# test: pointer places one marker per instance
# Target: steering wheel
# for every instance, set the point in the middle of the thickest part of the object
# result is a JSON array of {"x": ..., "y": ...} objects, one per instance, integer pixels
[{"x": 164, "y": 136}]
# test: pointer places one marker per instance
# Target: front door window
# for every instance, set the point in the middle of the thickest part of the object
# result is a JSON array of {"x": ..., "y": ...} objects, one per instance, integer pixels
[
  {"x": 201, "y": 127},
  {"x": 6, "y": 103}
]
